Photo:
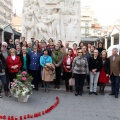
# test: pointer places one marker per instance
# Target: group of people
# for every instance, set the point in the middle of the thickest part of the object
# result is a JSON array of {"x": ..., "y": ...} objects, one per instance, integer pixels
[{"x": 47, "y": 61}]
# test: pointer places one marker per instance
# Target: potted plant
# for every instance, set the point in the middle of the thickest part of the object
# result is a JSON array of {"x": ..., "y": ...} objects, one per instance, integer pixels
[{"x": 22, "y": 88}]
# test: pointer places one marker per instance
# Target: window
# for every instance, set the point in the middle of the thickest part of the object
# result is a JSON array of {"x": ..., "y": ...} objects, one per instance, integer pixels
[
  {"x": 86, "y": 30},
  {"x": 86, "y": 23}
]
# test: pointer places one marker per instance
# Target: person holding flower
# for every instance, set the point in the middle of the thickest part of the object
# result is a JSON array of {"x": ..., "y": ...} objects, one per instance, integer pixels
[
  {"x": 13, "y": 63},
  {"x": 44, "y": 59}
]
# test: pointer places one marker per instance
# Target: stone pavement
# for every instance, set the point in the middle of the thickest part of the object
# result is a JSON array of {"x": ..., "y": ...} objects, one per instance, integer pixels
[{"x": 86, "y": 107}]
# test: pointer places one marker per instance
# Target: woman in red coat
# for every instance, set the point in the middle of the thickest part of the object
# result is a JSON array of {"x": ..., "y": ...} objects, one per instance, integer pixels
[
  {"x": 13, "y": 64},
  {"x": 67, "y": 65}
]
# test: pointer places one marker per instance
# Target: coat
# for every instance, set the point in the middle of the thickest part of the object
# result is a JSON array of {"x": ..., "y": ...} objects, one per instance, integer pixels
[
  {"x": 34, "y": 61},
  {"x": 115, "y": 65},
  {"x": 48, "y": 72},
  {"x": 95, "y": 64},
  {"x": 106, "y": 66},
  {"x": 60, "y": 58},
  {"x": 28, "y": 60},
  {"x": 10, "y": 62}
]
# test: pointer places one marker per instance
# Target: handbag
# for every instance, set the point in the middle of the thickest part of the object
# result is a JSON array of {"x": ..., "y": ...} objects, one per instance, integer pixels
[{"x": 71, "y": 82}]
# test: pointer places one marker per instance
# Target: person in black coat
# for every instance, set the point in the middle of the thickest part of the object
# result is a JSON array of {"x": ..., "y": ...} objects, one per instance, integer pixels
[
  {"x": 105, "y": 71},
  {"x": 24, "y": 56},
  {"x": 3, "y": 74},
  {"x": 95, "y": 64},
  {"x": 10, "y": 45}
]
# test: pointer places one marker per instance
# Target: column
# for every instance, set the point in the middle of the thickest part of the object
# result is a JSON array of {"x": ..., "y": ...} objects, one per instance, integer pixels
[
  {"x": 112, "y": 40},
  {"x": 12, "y": 36},
  {"x": 106, "y": 43},
  {"x": 119, "y": 38},
  {"x": 3, "y": 36}
]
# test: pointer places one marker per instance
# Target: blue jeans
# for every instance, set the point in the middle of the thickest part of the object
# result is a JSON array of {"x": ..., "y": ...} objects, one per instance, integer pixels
[
  {"x": 115, "y": 82},
  {"x": 3, "y": 80}
]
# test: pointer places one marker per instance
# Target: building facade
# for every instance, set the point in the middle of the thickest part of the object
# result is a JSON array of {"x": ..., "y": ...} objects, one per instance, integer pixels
[
  {"x": 6, "y": 7},
  {"x": 17, "y": 23},
  {"x": 87, "y": 16}
]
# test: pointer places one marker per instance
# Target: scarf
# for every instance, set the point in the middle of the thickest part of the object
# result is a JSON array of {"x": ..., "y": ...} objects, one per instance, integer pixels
[
  {"x": 44, "y": 59},
  {"x": 57, "y": 53}
]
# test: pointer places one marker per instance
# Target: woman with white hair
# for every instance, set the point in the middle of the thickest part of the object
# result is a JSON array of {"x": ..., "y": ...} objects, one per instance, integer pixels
[
  {"x": 95, "y": 65},
  {"x": 13, "y": 63},
  {"x": 4, "y": 49}
]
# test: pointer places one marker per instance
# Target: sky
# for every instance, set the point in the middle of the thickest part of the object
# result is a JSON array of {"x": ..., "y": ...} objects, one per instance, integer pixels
[{"x": 106, "y": 11}]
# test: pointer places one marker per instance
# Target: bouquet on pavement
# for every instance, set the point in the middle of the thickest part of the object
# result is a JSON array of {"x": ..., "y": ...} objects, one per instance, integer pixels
[{"x": 22, "y": 85}]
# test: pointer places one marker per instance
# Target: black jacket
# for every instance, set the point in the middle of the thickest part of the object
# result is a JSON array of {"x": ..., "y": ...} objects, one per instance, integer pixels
[
  {"x": 106, "y": 66},
  {"x": 28, "y": 60},
  {"x": 2, "y": 65},
  {"x": 95, "y": 64}
]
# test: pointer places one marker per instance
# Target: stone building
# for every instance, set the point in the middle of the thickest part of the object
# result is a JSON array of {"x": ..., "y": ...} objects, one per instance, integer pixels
[{"x": 6, "y": 11}]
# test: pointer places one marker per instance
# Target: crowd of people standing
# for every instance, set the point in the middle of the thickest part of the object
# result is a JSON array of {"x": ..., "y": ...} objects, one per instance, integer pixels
[{"x": 47, "y": 61}]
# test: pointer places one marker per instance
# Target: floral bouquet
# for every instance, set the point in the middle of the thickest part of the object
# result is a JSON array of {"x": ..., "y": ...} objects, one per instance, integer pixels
[{"x": 22, "y": 85}]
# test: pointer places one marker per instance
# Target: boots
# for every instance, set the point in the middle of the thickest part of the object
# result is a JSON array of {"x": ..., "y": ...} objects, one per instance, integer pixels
[
  {"x": 7, "y": 94},
  {"x": 100, "y": 88},
  {"x": 103, "y": 88}
]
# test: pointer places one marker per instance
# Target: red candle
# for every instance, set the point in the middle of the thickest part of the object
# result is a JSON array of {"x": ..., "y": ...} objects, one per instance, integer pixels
[
  {"x": 9, "y": 118},
  {"x": 25, "y": 117},
  {"x": 43, "y": 112},
  {"x": 16, "y": 118},
  {"x": 34, "y": 114},
  {"x": 31, "y": 116},
  {"x": 21, "y": 118},
  {"x": 28, "y": 116},
  {"x": 39, "y": 114},
  {"x": 4, "y": 117},
  {"x": 12, "y": 117}
]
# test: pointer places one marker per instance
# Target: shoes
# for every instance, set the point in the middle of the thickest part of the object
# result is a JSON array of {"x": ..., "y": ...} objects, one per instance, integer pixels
[
  {"x": 80, "y": 93},
  {"x": 88, "y": 87},
  {"x": 36, "y": 89},
  {"x": 7, "y": 94},
  {"x": 44, "y": 90},
  {"x": 112, "y": 94},
  {"x": 90, "y": 93},
  {"x": 47, "y": 91},
  {"x": 95, "y": 93},
  {"x": 67, "y": 90},
  {"x": 116, "y": 96},
  {"x": 0, "y": 96},
  {"x": 71, "y": 90},
  {"x": 76, "y": 93},
  {"x": 58, "y": 87},
  {"x": 55, "y": 86}
]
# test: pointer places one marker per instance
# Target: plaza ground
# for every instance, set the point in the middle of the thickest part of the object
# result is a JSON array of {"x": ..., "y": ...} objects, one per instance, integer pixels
[{"x": 86, "y": 107}]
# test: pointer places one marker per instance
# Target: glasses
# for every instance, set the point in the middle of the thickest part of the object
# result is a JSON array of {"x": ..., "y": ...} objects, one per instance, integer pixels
[
  {"x": 80, "y": 52},
  {"x": 4, "y": 46},
  {"x": 11, "y": 41}
]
